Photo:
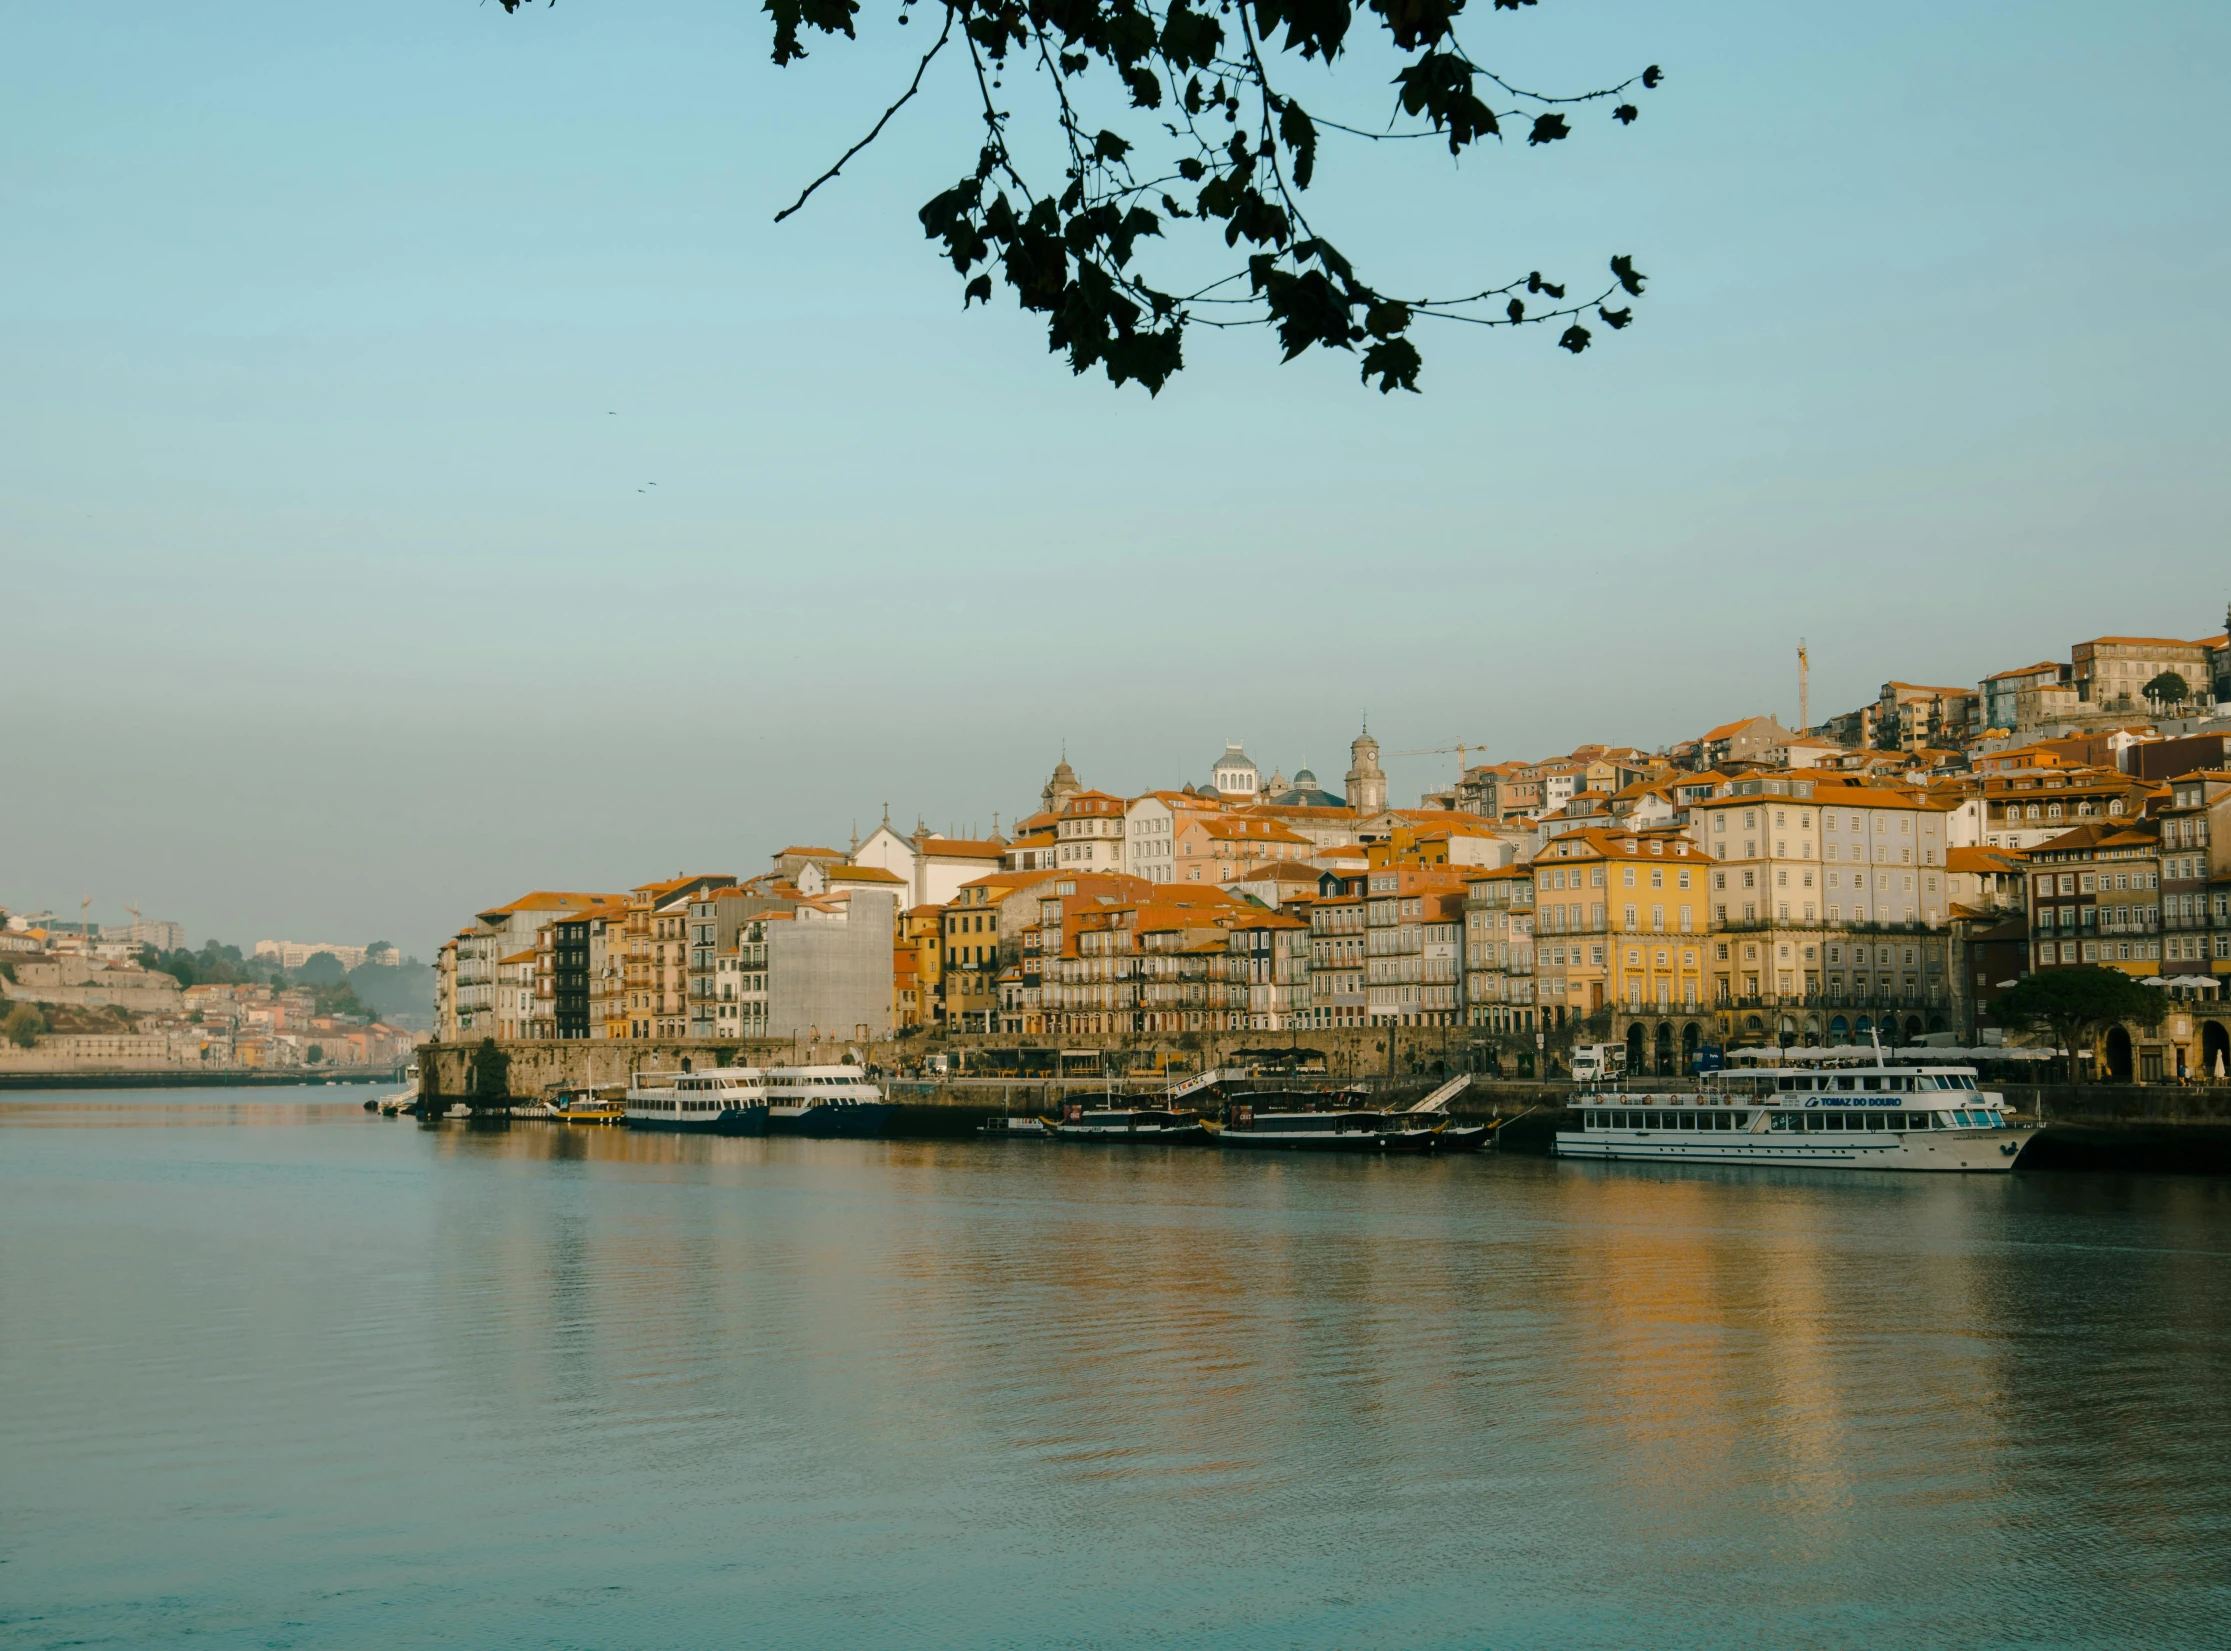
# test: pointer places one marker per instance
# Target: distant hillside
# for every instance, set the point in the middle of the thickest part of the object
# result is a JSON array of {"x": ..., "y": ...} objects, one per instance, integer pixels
[{"x": 402, "y": 994}]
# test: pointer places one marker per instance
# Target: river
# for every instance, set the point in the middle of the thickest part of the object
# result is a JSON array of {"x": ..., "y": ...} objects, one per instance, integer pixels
[{"x": 279, "y": 1373}]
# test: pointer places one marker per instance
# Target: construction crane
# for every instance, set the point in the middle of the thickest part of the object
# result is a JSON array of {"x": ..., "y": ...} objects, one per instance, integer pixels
[
  {"x": 1457, "y": 750},
  {"x": 1804, "y": 671}
]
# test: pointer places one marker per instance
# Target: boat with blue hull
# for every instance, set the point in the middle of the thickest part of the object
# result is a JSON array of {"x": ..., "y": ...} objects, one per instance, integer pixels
[
  {"x": 825, "y": 1102},
  {"x": 730, "y": 1100}
]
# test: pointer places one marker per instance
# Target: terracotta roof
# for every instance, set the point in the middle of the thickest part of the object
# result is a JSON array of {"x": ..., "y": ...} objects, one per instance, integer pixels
[
  {"x": 546, "y": 900},
  {"x": 864, "y": 874},
  {"x": 1982, "y": 860},
  {"x": 2145, "y": 641},
  {"x": 963, "y": 848},
  {"x": 2025, "y": 670},
  {"x": 1728, "y": 729}
]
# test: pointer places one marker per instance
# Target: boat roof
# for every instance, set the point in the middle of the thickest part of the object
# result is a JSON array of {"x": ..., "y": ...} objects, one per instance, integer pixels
[{"x": 1906, "y": 1058}]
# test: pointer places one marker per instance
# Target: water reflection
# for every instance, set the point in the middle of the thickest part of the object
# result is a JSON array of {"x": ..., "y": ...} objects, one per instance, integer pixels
[{"x": 533, "y": 1384}]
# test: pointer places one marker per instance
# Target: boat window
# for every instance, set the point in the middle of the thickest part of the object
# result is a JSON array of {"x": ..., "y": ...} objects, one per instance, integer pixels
[
  {"x": 1788, "y": 1083},
  {"x": 1948, "y": 1120},
  {"x": 1846, "y": 1082},
  {"x": 1870, "y": 1083}
]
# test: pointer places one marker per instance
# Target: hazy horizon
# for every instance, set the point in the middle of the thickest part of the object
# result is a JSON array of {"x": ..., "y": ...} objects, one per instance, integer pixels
[{"x": 343, "y": 347}]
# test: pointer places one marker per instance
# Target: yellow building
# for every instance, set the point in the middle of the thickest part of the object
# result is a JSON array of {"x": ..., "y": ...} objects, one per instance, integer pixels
[
  {"x": 922, "y": 936},
  {"x": 1621, "y": 919}
]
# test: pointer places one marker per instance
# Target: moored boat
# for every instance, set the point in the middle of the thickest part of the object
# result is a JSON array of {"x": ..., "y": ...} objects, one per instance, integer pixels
[
  {"x": 825, "y": 1102},
  {"x": 1835, "y": 1110},
  {"x": 729, "y": 1100},
  {"x": 1160, "y": 1126}
]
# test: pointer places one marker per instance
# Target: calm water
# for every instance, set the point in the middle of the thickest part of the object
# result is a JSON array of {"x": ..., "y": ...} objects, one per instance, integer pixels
[{"x": 276, "y": 1373}]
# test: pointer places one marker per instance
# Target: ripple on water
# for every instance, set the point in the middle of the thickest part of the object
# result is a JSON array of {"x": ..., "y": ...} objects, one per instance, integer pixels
[{"x": 284, "y": 1373}]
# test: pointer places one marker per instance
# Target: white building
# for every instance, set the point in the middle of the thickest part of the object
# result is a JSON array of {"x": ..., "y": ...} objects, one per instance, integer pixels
[
  {"x": 1236, "y": 778},
  {"x": 1150, "y": 830},
  {"x": 931, "y": 867}
]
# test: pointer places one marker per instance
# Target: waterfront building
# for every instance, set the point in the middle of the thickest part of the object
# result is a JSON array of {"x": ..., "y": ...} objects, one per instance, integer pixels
[
  {"x": 2095, "y": 897},
  {"x": 1267, "y": 965},
  {"x": 1621, "y": 921},
  {"x": 973, "y": 952},
  {"x": 1413, "y": 928},
  {"x": 1829, "y": 908},
  {"x": 1499, "y": 948},
  {"x": 818, "y": 968},
  {"x": 468, "y": 1004},
  {"x": 1337, "y": 959},
  {"x": 2196, "y": 874}
]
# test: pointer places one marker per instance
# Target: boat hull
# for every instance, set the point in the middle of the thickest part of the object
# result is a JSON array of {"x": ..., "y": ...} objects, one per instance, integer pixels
[
  {"x": 1938, "y": 1151},
  {"x": 835, "y": 1123},
  {"x": 1177, "y": 1135},
  {"x": 1253, "y": 1140},
  {"x": 734, "y": 1121}
]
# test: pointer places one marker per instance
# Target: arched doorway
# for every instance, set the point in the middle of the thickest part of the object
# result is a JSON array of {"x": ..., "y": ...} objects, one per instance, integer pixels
[
  {"x": 1690, "y": 1037},
  {"x": 1937, "y": 1023},
  {"x": 1861, "y": 1028},
  {"x": 1634, "y": 1048},
  {"x": 2215, "y": 1048},
  {"x": 1665, "y": 1049},
  {"x": 1839, "y": 1030},
  {"x": 1913, "y": 1029},
  {"x": 1787, "y": 1035},
  {"x": 2118, "y": 1054}
]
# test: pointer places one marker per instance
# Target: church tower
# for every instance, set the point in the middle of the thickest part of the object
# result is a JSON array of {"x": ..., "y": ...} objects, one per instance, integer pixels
[
  {"x": 1367, "y": 784},
  {"x": 1060, "y": 788}
]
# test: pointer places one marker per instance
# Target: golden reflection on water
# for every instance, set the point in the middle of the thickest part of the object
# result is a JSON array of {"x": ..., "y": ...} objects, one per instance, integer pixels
[{"x": 1344, "y": 1400}]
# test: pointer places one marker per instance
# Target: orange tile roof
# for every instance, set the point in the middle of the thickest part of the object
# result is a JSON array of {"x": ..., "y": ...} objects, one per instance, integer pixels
[
  {"x": 963, "y": 848},
  {"x": 863, "y": 874},
  {"x": 546, "y": 900}
]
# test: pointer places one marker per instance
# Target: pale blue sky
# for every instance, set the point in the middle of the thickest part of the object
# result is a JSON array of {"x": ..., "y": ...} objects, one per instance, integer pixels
[{"x": 336, "y": 341}]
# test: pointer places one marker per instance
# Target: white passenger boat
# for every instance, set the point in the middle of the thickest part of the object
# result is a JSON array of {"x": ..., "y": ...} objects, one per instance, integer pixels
[
  {"x": 825, "y": 1101},
  {"x": 1834, "y": 1111},
  {"x": 728, "y": 1100}
]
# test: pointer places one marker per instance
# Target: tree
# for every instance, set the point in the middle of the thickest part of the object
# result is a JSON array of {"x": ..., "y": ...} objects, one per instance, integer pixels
[
  {"x": 2076, "y": 1005},
  {"x": 1204, "y": 119},
  {"x": 315, "y": 1053},
  {"x": 24, "y": 1026},
  {"x": 2167, "y": 689}
]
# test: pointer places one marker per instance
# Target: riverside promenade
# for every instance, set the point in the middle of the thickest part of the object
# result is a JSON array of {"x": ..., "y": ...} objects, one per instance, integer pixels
[{"x": 2151, "y": 1128}]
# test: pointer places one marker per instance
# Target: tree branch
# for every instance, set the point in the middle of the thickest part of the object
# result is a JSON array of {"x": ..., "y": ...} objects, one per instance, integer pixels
[{"x": 876, "y": 131}]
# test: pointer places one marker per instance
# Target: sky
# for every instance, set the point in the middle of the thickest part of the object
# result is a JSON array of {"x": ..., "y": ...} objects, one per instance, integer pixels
[{"x": 340, "y": 347}]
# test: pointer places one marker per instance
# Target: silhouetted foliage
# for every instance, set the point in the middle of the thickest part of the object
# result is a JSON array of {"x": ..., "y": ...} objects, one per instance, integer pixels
[
  {"x": 321, "y": 969},
  {"x": 2168, "y": 689},
  {"x": 2076, "y": 1005},
  {"x": 24, "y": 1026},
  {"x": 1211, "y": 142}
]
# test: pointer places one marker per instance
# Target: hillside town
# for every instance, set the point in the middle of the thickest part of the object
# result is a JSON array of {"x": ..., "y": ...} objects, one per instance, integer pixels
[
  {"x": 1883, "y": 873},
  {"x": 75, "y": 995}
]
